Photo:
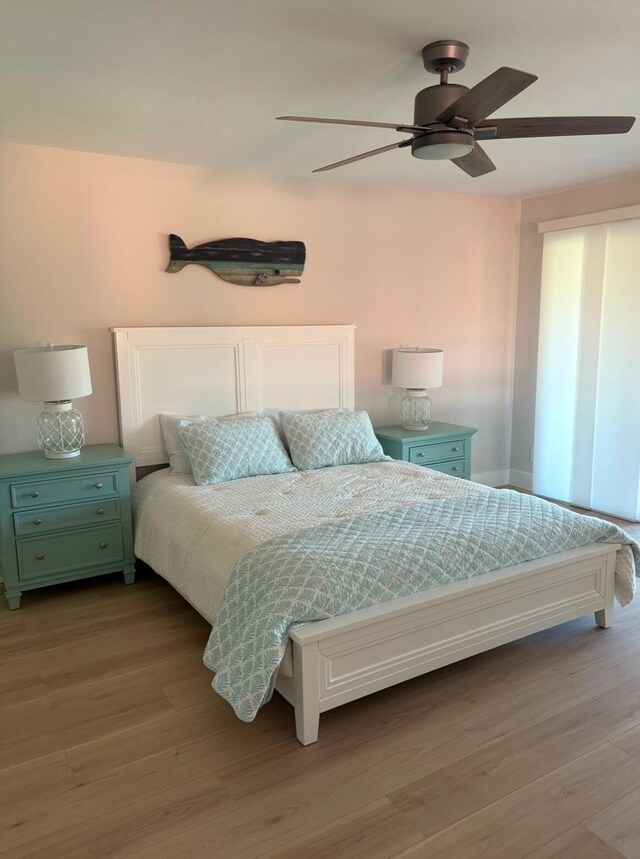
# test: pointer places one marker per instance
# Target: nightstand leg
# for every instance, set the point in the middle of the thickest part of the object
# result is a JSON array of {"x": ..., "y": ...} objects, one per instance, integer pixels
[
  {"x": 129, "y": 576},
  {"x": 14, "y": 599}
]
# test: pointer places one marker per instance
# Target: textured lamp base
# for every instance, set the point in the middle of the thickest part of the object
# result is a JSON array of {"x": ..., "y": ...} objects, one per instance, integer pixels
[
  {"x": 60, "y": 431},
  {"x": 415, "y": 409}
]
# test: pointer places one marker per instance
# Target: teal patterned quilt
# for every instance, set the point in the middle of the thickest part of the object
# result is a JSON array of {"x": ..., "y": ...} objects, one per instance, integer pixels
[{"x": 330, "y": 569}]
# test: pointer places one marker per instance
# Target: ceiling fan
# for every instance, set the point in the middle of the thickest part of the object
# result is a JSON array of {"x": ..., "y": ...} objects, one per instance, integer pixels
[{"x": 450, "y": 119}]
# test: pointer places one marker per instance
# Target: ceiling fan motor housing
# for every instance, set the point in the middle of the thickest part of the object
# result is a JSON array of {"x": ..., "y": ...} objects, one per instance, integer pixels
[
  {"x": 431, "y": 101},
  {"x": 443, "y": 142}
]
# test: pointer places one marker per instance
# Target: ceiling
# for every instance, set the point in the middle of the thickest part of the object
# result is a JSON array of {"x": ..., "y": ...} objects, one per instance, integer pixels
[{"x": 200, "y": 82}]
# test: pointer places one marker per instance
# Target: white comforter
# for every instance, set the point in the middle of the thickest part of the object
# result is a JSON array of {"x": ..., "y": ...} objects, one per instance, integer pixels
[{"x": 193, "y": 536}]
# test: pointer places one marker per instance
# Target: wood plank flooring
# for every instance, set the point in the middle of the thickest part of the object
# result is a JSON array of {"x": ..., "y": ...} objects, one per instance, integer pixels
[{"x": 113, "y": 745}]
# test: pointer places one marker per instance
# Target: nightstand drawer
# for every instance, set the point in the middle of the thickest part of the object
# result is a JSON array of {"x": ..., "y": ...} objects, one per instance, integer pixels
[
  {"x": 56, "y": 518},
  {"x": 456, "y": 468},
  {"x": 66, "y": 489},
  {"x": 425, "y": 453},
  {"x": 71, "y": 550}
]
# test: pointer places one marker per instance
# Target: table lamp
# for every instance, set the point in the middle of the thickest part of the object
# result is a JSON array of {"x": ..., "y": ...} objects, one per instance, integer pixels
[
  {"x": 54, "y": 375},
  {"x": 416, "y": 370}
]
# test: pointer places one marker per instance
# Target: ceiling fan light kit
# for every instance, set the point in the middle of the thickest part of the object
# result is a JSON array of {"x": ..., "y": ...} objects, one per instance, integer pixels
[
  {"x": 449, "y": 119},
  {"x": 441, "y": 145}
]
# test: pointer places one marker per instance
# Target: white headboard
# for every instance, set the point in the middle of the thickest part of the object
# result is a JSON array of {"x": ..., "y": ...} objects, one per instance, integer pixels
[{"x": 219, "y": 371}]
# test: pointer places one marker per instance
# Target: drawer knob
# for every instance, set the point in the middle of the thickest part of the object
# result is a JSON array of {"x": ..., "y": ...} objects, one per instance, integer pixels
[
  {"x": 37, "y": 521},
  {"x": 40, "y": 556},
  {"x": 455, "y": 468},
  {"x": 103, "y": 545},
  {"x": 100, "y": 511},
  {"x": 455, "y": 449},
  {"x": 35, "y": 494},
  {"x": 420, "y": 455},
  {"x": 98, "y": 486}
]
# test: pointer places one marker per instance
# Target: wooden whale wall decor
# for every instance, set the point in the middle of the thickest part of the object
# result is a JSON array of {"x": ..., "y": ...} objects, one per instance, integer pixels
[{"x": 244, "y": 261}]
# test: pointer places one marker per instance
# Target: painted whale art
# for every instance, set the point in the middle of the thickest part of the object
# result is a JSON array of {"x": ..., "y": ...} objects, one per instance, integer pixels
[{"x": 244, "y": 261}]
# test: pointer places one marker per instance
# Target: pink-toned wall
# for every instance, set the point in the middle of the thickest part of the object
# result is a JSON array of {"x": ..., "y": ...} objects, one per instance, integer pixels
[
  {"x": 578, "y": 201},
  {"x": 83, "y": 244}
]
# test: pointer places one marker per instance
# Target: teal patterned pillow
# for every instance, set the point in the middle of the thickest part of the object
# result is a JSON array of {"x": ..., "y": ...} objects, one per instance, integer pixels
[
  {"x": 333, "y": 438},
  {"x": 178, "y": 459},
  {"x": 220, "y": 451}
]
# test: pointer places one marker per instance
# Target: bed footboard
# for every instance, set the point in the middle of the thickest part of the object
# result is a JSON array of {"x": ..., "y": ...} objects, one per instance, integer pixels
[{"x": 356, "y": 654}]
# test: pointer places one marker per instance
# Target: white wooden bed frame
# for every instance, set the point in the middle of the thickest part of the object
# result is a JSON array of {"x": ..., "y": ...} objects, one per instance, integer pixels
[{"x": 223, "y": 370}]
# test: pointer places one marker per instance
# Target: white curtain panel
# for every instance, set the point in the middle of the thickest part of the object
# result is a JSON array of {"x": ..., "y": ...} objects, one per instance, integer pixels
[{"x": 587, "y": 427}]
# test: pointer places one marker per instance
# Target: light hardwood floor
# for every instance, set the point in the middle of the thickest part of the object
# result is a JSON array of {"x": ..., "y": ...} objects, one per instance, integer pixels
[{"x": 113, "y": 745}]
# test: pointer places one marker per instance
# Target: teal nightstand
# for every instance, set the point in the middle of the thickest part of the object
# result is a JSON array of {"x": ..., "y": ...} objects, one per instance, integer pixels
[
  {"x": 443, "y": 447},
  {"x": 64, "y": 519}
]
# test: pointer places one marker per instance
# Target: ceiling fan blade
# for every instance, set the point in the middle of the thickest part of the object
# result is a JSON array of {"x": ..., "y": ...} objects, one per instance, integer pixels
[
  {"x": 397, "y": 126},
  {"x": 553, "y": 126},
  {"x": 490, "y": 94},
  {"x": 362, "y": 155},
  {"x": 476, "y": 163}
]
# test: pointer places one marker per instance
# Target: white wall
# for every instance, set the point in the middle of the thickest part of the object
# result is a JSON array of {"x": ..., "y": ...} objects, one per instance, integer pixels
[{"x": 83, "y": 243}]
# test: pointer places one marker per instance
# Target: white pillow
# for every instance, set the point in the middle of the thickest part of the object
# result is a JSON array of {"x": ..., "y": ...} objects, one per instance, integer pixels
[{"x": 178, "y": 459}]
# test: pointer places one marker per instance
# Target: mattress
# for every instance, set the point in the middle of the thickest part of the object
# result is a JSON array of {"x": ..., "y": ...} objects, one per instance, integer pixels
[{"x": 193, "y": 536}]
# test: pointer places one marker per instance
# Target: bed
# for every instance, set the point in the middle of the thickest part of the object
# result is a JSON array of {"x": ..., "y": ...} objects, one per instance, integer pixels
[{"x": 219, "y": 371}]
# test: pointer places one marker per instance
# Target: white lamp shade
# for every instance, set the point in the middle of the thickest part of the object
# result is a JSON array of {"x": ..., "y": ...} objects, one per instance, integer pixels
[
  {"x": 417, "y": 368},
  {"x": 53, "y": 373}
]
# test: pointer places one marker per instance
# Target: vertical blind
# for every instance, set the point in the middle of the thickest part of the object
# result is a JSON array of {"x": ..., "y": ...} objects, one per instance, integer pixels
[{"x": 587, "y": 426}]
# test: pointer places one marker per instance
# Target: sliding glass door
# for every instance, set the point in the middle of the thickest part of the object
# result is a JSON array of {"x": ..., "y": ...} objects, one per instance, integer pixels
[{"x": 587, "y": 429}]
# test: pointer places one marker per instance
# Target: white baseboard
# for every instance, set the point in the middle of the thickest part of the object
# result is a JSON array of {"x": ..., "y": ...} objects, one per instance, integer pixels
[
  {"x": 492, "y": 478},
  {"x": 521, "y": 479}
]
